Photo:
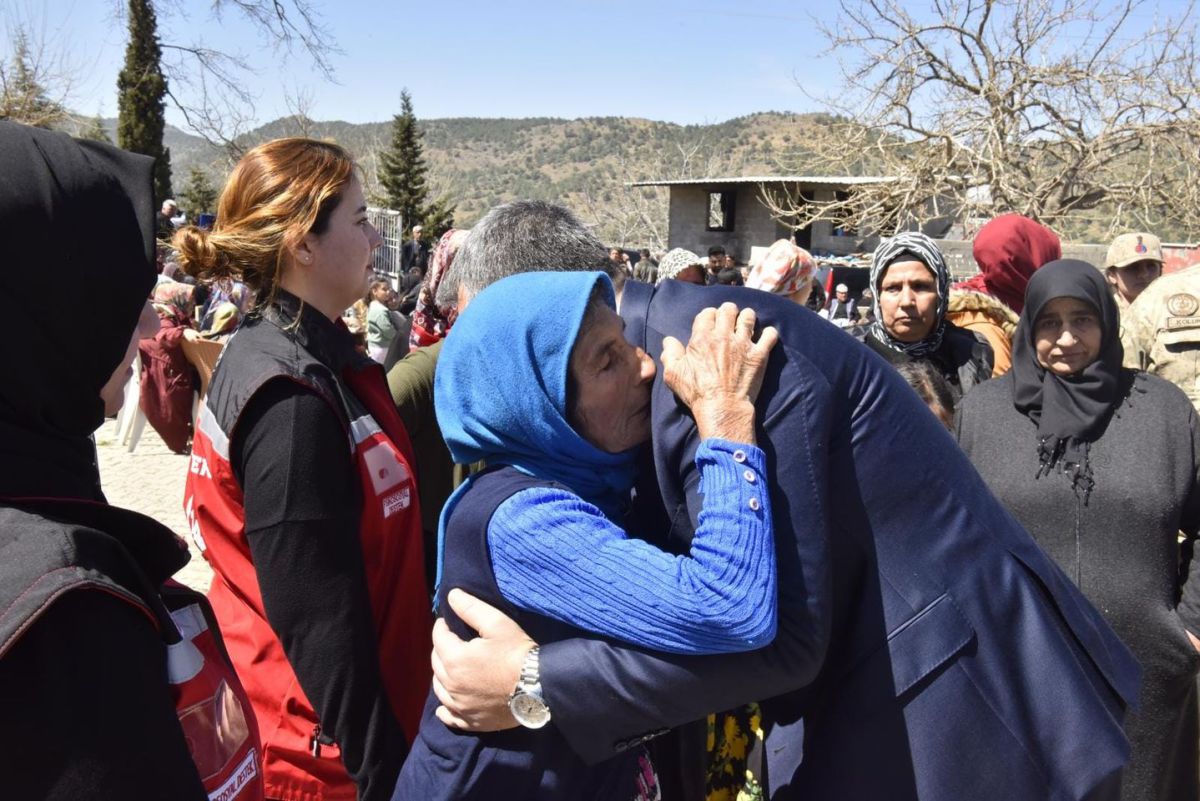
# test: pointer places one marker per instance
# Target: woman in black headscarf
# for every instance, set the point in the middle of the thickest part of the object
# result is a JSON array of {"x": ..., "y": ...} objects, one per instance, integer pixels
[
  {"x": 89, "y": 651},
  {"x": 1101, "y": 464},
  {"x": 911, "y": 285}
]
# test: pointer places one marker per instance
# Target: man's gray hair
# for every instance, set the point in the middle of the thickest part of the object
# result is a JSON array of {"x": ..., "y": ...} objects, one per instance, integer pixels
[{"x": 520, "y": 237}]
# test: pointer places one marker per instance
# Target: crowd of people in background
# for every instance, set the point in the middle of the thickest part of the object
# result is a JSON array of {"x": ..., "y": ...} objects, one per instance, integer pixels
[{"x": 690, "y": 528}]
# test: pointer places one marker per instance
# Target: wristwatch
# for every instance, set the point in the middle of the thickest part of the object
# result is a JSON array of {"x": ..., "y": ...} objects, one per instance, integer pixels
[{"x": 526, "y": 703}]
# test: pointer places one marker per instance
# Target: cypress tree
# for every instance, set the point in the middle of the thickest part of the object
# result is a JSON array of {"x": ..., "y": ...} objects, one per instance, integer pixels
[
  {"x": 402, "y": 167},
  {"x": 141, "y": 89}
]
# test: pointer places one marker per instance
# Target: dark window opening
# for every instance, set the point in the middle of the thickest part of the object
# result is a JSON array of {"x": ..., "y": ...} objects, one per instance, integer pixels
[
  {"x": 720, "y": 210},
  {"x": 803, "y": 236},
  {"x": 843, "y": 222}
]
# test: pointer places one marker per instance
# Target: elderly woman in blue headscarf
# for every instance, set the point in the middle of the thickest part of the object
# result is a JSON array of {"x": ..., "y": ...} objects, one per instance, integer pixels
[
  {"x": 538, "y": 381},
  {"x": 912, "y": 288}
]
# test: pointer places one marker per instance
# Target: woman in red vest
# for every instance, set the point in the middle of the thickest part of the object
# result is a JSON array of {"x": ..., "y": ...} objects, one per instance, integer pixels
[{"x": 300, "y": 493}]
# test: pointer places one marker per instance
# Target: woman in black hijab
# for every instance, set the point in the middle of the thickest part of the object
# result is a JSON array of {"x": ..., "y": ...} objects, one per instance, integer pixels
[
  {"x": 1101, "y": 465},
  {"x": 85, "y": 633}
]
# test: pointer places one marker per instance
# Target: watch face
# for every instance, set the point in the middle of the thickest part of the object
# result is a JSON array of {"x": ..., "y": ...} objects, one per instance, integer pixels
[{"x": 529, "y": 710}]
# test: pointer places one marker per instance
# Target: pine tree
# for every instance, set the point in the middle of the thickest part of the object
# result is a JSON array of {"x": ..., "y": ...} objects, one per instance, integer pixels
[
  {"x": 141, "y": 89},
  {"x": 95, "y": 130},
  {"x": 402, "y": 167},
  {"x": 439, "y": 217},
  {"x": 198, "y": 196},
  {"x": 23, "y": 97}
]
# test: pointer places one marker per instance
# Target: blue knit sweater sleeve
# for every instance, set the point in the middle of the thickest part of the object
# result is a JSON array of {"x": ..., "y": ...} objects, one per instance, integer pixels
[{"x": 555, "y": 554}]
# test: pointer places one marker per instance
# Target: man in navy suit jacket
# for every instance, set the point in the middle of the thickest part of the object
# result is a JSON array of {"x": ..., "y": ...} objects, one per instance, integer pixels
[{"x": 927, "y": 648}]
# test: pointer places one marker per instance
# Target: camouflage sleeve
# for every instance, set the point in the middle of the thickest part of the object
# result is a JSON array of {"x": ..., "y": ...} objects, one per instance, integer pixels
[{"x": 1137, "y": 335}]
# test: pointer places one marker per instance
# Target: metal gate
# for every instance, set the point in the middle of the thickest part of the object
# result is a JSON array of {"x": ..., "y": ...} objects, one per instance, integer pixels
[{"x": 386, "y": 259}]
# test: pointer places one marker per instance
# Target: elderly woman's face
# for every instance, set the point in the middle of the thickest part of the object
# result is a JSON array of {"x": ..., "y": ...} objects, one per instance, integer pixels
[
  {"x": 908, "y": 300},
  {"x": 1067, "y": 335},
  {"x": 692, "y": 274},
  {"x": 612, "y": 381}
]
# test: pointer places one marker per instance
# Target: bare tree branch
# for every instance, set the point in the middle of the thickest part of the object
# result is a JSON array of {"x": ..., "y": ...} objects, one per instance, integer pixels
[
  {"x": 289, "y": 24},
  {"x": 1051, "y": 108},
  {"x": 207, "y": 85},
  {"x": 299, "y": 102}
]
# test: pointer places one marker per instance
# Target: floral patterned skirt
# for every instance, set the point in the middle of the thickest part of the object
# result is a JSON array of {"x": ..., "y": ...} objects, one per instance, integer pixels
[
  {"x": 647, "y": 788},
  {"x": 734, "y": 764}
]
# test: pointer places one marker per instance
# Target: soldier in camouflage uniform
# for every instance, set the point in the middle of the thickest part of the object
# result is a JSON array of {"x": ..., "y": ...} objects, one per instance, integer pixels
[
  {"x": 1161, "y": 331},
  {"x": 1133, "y": 263}
]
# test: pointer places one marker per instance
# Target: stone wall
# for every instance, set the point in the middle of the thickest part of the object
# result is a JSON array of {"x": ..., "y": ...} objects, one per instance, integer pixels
[
  {"x": 753, "y": 224},
  {"x": 961, "y": 260},
  {"x": 755, "y": 227}
]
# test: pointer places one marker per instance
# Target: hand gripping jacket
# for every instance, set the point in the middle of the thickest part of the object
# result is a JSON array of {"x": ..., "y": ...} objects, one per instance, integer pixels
[{"x": 297, "y": 760}]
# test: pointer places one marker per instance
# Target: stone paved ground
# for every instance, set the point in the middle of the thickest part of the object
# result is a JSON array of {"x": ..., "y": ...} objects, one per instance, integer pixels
[{"x": 150, "y": 481}]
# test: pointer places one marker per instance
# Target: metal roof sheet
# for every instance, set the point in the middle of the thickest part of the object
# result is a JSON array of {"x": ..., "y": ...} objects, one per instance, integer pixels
[{"x": 835, "y": 180}]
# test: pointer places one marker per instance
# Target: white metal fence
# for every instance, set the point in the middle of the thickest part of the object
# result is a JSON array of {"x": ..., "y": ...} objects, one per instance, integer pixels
[{"x": 386, "y": 260}]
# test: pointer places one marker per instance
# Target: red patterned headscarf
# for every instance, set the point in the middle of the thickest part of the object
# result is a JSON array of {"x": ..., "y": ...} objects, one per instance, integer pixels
[
  {"x": 174, "y": 300},
  {"x": 429, "y": 322},
  {"x": 784, "y": 269}
]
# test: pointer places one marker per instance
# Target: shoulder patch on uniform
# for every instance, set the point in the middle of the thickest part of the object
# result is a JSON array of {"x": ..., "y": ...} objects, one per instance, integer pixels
[{"x": 1182, "y": 304}]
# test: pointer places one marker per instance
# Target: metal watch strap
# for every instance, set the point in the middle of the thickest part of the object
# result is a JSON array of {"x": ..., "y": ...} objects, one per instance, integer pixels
[{"x": 530, "y": 674}]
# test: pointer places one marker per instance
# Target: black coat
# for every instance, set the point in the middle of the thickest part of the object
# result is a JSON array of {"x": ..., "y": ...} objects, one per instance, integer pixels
[
  {"x": 942, "y": 655},
  {"x": 414, "y": 253},
  {"x": 1121, "y": 549},
  {"x": 87, "y": 708},
  {"x": 87, "y": 702},
  {"x": 964, "y": 358}
]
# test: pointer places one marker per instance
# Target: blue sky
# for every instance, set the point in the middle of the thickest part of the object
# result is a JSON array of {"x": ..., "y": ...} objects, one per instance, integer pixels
[
  {"x": 671, "y": 60},
  {"x": 686, "y": 62}
]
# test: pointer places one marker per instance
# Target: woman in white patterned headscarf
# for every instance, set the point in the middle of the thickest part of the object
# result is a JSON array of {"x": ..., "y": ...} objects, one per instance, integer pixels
[
  {"x": 681, "y": 265},
  {"x": 911, "y": 284}
]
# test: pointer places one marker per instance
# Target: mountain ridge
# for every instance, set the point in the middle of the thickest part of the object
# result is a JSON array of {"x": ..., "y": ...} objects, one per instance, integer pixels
[{"x": 583, "y": 163}]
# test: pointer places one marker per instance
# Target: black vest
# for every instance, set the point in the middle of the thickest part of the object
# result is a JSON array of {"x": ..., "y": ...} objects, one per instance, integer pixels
[
  {"x": 272, "y": 344},
  {"x": 518, "y": 763}
]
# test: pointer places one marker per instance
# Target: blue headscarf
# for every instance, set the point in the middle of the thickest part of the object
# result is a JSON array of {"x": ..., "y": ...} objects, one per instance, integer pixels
[{"x": 501, "y": 385}]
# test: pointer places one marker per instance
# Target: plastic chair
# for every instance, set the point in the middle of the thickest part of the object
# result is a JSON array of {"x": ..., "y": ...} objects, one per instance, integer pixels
[
  {"x": 132, "y": 417},
  {"x": 129, "y": 406},
  {"x": 203, "y": 355}
]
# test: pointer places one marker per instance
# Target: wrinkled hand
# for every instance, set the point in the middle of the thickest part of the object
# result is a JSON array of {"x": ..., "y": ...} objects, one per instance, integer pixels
[
  {"x": 474, "y": 679},
  {"x": 719, "y": 373}
]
